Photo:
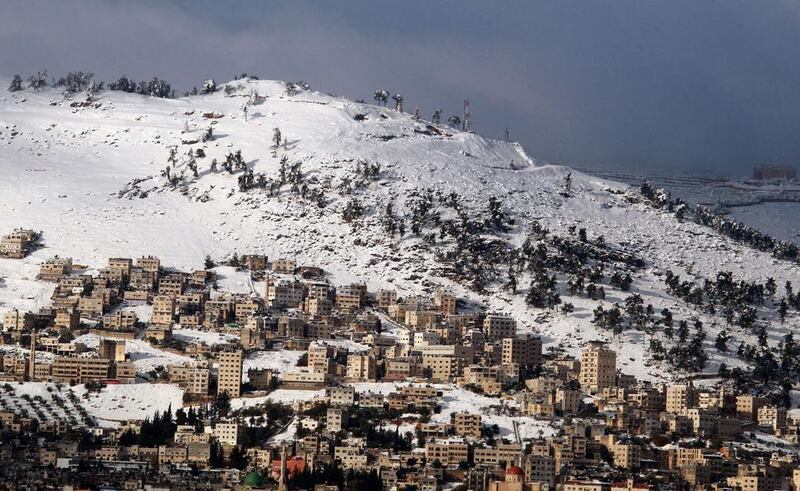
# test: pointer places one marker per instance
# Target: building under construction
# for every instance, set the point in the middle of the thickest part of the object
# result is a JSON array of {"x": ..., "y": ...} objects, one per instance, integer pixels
[{"x": 774, "y": 172}]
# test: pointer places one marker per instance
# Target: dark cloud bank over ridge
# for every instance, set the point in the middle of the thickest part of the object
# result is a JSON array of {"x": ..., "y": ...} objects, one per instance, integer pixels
[{"x": 673, "y": 85}]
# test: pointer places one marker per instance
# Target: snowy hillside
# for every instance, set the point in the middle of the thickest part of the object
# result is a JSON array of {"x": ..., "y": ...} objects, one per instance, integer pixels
[{"x": 89, "y": 176}]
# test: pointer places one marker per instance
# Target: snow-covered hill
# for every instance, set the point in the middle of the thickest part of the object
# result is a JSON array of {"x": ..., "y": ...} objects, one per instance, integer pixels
[{"x": 89, "y": 176}]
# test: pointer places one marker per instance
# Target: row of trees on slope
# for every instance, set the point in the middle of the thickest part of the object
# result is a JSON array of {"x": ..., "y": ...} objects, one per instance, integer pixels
[
  {"x": 381, "y": 97},
  {"x": 75, "y": 82},
  {"x": 745, "y": 234}
]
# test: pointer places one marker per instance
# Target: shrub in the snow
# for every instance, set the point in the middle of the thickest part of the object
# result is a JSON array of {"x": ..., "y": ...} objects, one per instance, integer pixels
[
  {"x": 209, "y": 86},
  {"x": 294, "y": 88}
]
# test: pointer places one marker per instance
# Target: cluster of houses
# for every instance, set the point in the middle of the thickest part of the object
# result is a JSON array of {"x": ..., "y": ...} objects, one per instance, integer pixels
[{"x": 609, "y": 431}]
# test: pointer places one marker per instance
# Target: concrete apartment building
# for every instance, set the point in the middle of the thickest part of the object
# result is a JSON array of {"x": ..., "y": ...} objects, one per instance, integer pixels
[
  {"x": 680, "y": 397},
  {"x": 598, "y": 368},
  {"x": 284, "y": 266},
  {"x": 385, "y": 298},
  {"x": 80, "y": 370},
  {"x": 445, "y": 301},
  {"x": 467, "y": 425},
  {"x": 112, "y": 350},
  {"x": 150, "y": 264},
  {"x": 16, "y": 320},
  {"x": 17, "y": 244},
  {"x": 447, "y": 452},
  {"x": 285, "y": 294},
  {"x": 163, "y": 310},
  {"x": 229, "y": 374},
  {"x": 747, "y": 406},
  {"x": 55, "y": 268},
  {"x": 121, "y": 319},
  {"x": 193, "y": 379},
  {"x": 497, "y": 327},
  {"x": 362, "y": 368},
  {"x": 335, "y": 419},
  {"x": 524, "y": 350}
]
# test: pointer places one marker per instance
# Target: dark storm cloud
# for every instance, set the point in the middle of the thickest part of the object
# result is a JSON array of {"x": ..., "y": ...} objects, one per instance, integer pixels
[{"x": 678, "y": 84}]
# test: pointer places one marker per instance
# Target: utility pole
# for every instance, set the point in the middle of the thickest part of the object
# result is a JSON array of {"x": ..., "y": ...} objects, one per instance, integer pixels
[
  {"x": 32, "y": 361},
  {"x": 465, "y": 119}
]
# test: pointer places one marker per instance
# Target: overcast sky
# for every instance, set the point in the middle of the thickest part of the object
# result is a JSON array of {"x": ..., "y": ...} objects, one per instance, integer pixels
[{"x": 675, "y": 84}]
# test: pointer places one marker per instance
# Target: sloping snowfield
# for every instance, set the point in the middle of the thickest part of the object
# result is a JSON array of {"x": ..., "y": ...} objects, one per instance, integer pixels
[{"x": 90, "y": 179}]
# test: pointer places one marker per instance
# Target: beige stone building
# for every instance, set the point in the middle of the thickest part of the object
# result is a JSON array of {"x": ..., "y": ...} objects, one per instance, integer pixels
[
  {"x": 172, "y": 285},
  {"x": 260, "y": 378},
  {"x": 753, "y": 477},
  {"x": 348, "y": 302},
  {"x": 445, "y": 362},
  {"x": 467, "y": 425},
  {"x": 627, "y": 454},
  {"x": 79, "y": 370},
  {"x": 121, "y": 319},
  {"x": 567, "y": 401},
  {"x": 255, "y": 262},
  {"x": 304, "y": 376},
  {"x": 500, "y": 453},
  {"x": 226, "y": 433},
  {"x": 55, "y": 268},
  {"x": 318, "y": 307},
  {"x": 92, "y": 306},
  {"x": 447, "y": 452}
]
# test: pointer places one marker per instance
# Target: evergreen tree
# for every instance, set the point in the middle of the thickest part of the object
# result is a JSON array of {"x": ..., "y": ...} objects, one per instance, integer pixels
[
  {"x": 238, "y": 458},
  {"x": 38, "y": 81},
  {"x": 216, "y": 457},
  {"x": 783, "y": 309},
  {"x": 568, "y": 183},
  {"x": 721, "y": 342},
  {"x": 16, "y": 84}
]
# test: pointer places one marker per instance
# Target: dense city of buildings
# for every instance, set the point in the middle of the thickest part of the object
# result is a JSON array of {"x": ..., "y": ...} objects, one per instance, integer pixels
[{"x": 374, "y": 373}]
